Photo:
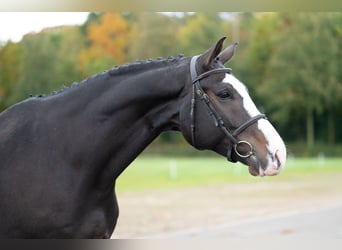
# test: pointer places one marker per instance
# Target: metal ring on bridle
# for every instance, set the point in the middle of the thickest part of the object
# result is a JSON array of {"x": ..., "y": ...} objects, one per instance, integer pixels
[{"x": 242, "y": 155}]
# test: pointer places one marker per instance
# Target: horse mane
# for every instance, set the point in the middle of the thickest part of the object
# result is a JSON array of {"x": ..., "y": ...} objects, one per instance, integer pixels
[
  {"x": 135, "y": 67},
  {"x": 143, "y": 65}
]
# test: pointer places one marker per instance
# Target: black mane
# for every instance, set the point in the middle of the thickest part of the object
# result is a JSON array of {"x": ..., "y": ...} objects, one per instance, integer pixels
[
  {"x": 143, "y": 65},
  {"x": 135, "y": 67}
]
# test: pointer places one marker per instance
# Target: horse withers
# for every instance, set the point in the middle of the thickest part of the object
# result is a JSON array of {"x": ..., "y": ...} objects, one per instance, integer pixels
[{"x": 61, "y": 154}]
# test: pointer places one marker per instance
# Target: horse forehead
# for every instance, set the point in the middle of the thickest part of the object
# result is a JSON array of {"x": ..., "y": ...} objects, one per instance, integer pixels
[{"x": 242, "y": 90}]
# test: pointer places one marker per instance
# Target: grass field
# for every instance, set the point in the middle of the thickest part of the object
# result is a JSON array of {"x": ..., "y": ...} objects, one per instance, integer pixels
[{"x": 148, "y": 172}]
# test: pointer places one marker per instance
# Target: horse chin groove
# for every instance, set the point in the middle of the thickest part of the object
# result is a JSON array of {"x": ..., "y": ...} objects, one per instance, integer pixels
[
  {"x": 253, "y": 171},
  {"x": 253, "y": 165},
  {"x": 252, "y": 162}
]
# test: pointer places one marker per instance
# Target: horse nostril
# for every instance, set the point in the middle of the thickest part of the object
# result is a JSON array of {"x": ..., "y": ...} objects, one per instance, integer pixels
[{"x": 276, "y": 156}]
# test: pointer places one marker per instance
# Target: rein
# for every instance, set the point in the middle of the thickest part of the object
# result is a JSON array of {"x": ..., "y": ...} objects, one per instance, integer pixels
[{"x": 197, "y": 90}]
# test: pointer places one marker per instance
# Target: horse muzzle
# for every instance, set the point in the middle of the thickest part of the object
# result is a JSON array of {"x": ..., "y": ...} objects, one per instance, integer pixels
[
  {"x": 274, "y": 165},
  {"x": 274, "y": 162}
]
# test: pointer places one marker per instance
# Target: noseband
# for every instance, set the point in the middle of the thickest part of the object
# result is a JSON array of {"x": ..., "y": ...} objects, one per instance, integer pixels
[{"x": 218, "y": 121}]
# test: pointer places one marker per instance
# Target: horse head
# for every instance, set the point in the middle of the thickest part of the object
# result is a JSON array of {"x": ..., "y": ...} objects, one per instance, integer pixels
[{"x": 218, "y": 114}]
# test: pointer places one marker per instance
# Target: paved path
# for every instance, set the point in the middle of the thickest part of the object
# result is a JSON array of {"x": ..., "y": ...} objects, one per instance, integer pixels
[{"x": 324, "y": 223}]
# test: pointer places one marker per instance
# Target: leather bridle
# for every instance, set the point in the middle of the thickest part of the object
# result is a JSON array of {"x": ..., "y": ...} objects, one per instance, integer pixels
[{"x": 197, "y": 90}]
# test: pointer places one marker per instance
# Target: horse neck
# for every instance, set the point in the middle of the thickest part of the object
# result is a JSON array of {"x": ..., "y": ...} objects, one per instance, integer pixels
[
  {"x": 151, "y": 95},
  {"x": 123, "y": 113}
]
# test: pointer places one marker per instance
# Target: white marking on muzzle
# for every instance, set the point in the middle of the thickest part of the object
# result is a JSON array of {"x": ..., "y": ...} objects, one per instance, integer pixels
[{"x": 275, "y": 145}]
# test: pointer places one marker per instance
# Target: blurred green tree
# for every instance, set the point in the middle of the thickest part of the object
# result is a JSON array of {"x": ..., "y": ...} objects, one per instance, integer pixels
[
  {"x": 39, "y": 60},
  {"x": 49, "y": 60},
  {"x": 200, "y": 31},
  {"x": 153, "y": 35},
  {"x": 10, "y": 58},
  {"x": 302, "y": 72}
]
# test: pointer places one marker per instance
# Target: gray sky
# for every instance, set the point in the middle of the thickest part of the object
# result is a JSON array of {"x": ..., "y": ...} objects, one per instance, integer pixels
[{"x": 13, "y": 25}]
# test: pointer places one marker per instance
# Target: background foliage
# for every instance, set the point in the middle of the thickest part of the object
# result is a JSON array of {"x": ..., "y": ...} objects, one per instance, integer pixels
[{"x": 291, "y": 63}]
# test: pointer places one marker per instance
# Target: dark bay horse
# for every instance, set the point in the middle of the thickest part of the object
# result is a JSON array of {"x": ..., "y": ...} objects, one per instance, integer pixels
[{"x": 61, "y": 154}]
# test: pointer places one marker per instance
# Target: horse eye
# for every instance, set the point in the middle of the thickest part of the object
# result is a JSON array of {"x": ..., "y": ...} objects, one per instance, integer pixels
[{"x": 224, "y": 95}]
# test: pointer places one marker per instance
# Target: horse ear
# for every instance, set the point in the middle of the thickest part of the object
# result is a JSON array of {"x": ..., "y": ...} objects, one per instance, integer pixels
[
  {"x": 228, "y": 53},
  {"x": 207, "y": 59}
]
